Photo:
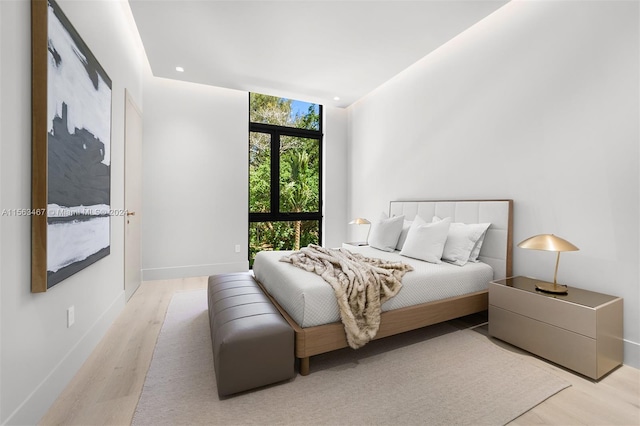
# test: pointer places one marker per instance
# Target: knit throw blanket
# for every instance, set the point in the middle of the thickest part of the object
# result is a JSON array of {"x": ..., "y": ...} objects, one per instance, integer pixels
[{"x": 361, "y": 285}]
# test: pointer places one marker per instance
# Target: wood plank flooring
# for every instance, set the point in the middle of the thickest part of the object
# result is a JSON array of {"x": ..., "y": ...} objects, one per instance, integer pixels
[{"x": 106, "y": 389}]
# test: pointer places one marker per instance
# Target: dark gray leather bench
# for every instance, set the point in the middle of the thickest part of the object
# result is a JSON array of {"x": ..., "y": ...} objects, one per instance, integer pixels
[{"x": 253, "y": 345}]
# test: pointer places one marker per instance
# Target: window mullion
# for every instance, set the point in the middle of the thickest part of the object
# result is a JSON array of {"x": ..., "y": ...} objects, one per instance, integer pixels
[{"x": 275, "y": 173}]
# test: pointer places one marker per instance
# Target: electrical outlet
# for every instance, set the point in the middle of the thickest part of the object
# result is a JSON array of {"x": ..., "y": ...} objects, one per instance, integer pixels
[
  {"x": 71, "y": 316},
  {"x": 237, "y": 248}
]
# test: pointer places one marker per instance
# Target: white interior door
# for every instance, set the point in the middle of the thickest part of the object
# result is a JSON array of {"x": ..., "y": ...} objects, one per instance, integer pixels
[{"x": 132, "y": 195}]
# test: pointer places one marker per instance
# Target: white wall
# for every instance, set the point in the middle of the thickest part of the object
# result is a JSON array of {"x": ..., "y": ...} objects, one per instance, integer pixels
[
  {"x": 2, "y": 204},
  {"x": 538, "y": 103},
  {"x": 195, "y": 179},
  {"x": 335, "y": 163},
  {"x": 39, "y": 354}
]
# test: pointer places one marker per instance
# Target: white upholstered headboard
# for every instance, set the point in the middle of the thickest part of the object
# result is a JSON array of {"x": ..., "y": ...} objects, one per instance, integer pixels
[{"x": 497, "y": 246}]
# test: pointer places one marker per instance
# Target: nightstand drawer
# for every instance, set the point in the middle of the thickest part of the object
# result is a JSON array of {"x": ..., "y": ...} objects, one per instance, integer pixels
[
  {"x": 563, "y": 347},
  {"x": 577, "y": 318}
]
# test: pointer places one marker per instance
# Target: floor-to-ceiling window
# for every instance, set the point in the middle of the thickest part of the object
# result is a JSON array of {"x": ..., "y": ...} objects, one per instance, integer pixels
[{"x": 285, "y": 174}]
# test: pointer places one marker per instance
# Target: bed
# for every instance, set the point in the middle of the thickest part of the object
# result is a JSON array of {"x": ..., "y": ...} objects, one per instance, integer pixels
[{"x": 309, "y": 306}]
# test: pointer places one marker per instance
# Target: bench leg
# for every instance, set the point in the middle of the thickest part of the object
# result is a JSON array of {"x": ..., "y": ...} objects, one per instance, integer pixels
[{"x": 304, "y": 366}]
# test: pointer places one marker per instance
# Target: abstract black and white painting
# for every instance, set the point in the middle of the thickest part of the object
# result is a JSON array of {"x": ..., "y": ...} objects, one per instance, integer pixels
[{"x": 78, "y": 152}]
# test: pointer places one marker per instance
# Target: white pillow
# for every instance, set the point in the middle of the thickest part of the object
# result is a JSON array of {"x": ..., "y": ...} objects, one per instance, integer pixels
[
  {"x": 403, "y": 234},
  {"x": 425, "y": 241},
  {"x": 385, "y": 233},
  {"x": 462, "y": 239},
  {"x": 475, "y": 253}
]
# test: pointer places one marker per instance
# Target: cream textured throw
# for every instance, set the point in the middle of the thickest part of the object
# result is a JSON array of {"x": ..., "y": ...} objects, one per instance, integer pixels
[{"x": 361, "y": 285}]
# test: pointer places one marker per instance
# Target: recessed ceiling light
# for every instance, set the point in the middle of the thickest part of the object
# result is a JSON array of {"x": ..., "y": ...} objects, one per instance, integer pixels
[
  {"x": 179, "y": 69},
  {"x": 336, "y": 98}
]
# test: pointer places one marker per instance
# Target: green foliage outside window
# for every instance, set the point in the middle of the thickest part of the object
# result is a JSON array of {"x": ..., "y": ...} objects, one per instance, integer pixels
[{"x": 299, "y": 163}]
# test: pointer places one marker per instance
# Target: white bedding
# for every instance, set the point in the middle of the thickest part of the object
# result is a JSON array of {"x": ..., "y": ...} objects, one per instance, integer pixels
[{"x": 310, "y": 301}]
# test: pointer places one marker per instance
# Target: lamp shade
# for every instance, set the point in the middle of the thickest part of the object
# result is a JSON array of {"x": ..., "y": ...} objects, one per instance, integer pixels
[
  {"x": 547, "y": 242},
  {"x": 359, "y": 221}
]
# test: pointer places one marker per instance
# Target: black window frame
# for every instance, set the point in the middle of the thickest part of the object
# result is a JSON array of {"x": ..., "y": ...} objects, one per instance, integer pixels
[{"x": 276, "y": 131}]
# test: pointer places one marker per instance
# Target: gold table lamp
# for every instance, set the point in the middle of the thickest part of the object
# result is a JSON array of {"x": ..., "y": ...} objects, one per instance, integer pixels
[{"x": 549, "y": 242}]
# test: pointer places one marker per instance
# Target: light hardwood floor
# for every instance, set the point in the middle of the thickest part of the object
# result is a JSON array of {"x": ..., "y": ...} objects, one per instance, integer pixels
[{"x": 106, "y": 389}]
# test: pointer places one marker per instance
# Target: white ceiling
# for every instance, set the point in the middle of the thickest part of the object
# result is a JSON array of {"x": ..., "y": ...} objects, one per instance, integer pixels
[{"x": 313, "y": 50}]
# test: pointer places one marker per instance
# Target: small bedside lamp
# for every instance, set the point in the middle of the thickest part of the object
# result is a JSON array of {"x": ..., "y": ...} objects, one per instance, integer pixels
[
  {"x": 549, "y": 242},
  {"x": 362, "y": 221}
]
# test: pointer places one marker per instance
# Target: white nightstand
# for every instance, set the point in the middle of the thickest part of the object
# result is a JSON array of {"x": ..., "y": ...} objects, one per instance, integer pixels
[
  {"x": 354, "y": 244},
  {"x": 580, "y": 330}
]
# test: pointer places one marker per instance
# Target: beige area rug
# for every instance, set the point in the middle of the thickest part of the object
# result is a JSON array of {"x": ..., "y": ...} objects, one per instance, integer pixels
[{"x": 435, "y": 376}]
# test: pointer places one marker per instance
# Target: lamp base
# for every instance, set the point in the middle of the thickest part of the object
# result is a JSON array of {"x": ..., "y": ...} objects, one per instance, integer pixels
[{"x": 552, "y": 288}]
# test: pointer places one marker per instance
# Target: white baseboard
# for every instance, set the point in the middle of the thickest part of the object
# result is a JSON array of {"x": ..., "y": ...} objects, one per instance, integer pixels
[
  {"x": 193, "y": 271},
  {"x": 631, "y": 354},
  {"x": 36, "y": 405}
]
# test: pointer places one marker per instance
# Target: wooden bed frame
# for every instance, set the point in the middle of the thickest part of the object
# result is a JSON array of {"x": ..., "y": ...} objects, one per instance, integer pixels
[{"x": 316, "y": 340}]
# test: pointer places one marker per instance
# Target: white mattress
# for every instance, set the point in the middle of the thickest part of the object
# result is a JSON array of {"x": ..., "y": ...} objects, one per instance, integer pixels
[{"x": 310, "y": 300}]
